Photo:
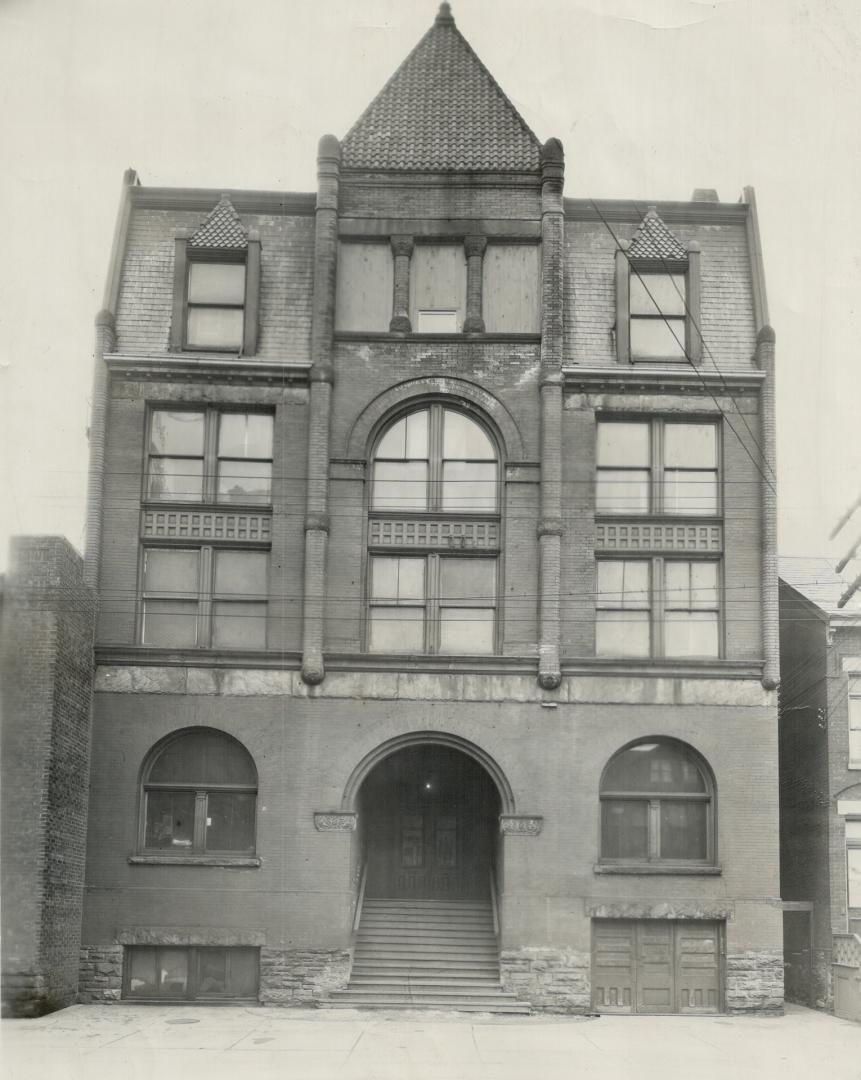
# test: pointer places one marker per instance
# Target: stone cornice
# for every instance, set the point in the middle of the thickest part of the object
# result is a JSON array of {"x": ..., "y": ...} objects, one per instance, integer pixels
[
  {"x": 632, "y": 211},
  {"x": 203, "y": 199},
  {"x": 635, "y": 379},
  {"x": 207, "y": 369}
]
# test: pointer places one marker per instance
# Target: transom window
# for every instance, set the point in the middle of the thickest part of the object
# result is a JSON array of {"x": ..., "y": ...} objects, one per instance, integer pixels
[
  {"x": 855, "y": 721},
  {"x": 200, "y": 797},
  {"x": 657, "y": 806},
  {"x": 658, "y": 311},
  {"x": 657, "y": 607},
  {"x": 657, "y": 466},
  {"x": 204, "y": 597},
  {"x": 215, "y": 314},
  {"x": 199, "y": 973},
  {"x": 197, "y": 455}
]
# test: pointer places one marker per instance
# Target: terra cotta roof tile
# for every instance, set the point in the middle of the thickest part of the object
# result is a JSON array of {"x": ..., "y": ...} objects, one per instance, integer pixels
[
  {"x": 222, "y": 229},
  {"x": 655, "y": 241}
]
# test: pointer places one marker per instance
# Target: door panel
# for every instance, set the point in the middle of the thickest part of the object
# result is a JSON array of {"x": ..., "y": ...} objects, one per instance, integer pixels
[
  {"x": 697, "y": 967},
  {"x": 613, "y": 965},
  {"x": 655, "y": 967}
]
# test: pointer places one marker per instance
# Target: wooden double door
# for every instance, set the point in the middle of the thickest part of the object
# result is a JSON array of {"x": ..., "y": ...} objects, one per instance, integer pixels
[
  {"x": 430, "y": 818},
  {"x": 656, "y": 966}
]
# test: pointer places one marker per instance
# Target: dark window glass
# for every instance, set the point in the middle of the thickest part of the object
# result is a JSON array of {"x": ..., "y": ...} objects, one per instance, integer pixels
[
  {"x": 657, "y": 767},
  {"x": 170, "y": 820},
  {"x": 189, "y": 973},
  {"x": 625, "y": 829},
  {"x": 230, "y": 821},
  {"x": 204, "y": 757},
  {"x": 683, "y": 829}
]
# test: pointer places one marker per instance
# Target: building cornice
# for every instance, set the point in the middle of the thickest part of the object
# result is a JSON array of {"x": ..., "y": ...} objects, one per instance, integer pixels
[
  {"x": 412, "y": 178},
  {"x": 679, "y": 213},
  {"x": 638, "y": 379},
  {"x": 244, "y": 202},
  {"x": 207, "y": 369}
]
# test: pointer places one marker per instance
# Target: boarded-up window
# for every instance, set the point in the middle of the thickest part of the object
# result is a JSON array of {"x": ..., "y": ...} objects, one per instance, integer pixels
[
  {"x": 438, "y": 284},
  {"x": 364, "y": 292},
  {"x": 511, "y": 289}
]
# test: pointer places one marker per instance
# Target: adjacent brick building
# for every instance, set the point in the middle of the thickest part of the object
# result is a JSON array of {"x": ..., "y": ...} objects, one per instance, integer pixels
[{"x": 432, "y": 520}]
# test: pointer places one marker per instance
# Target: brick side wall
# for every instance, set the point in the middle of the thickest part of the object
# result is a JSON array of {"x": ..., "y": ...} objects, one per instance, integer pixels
[
  {"x": 432, "y": 199},
  {"x": 47, "y": 637}
]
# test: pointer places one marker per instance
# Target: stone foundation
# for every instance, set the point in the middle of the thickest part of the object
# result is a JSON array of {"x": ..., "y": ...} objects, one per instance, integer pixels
[
  {"x": 301, "y": 976},
  {"x": 101, "y": 975},
  {"x": 754, "y": 982},
  {"x": 552, "y": 980}
]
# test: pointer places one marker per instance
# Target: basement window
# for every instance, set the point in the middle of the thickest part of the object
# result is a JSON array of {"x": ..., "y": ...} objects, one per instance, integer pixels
[{"x": 196, "y": 973}]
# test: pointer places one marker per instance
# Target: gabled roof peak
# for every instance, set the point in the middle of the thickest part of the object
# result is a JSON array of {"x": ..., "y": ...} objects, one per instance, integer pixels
[
  {"x": 441, "y": 111},
  {"x": 655, "y": 241},
  {"x": 222, "y": 229}
]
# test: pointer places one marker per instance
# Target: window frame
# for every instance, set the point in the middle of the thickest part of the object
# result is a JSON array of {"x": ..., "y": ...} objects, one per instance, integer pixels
[
  {"x": 198, "y": 852},
  {"x": 655, "y": 862},
  {"x": 184, "y": 256},
  {"x": 853, "y": 844},
  {"x": 657, "y": 467},
  {"x": 853, "y": 694},
  {"x": 628, "y": 267},
  {"x": 193, "y": 979},
  {"x": 658, "y": 607}
]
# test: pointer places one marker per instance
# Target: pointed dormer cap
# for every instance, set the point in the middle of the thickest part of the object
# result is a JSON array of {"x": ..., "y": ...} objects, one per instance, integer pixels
[
  {"x": 441, "y": 111},
  {"x": 222, "y": 229},
  {"x": 655, "y": 241}
]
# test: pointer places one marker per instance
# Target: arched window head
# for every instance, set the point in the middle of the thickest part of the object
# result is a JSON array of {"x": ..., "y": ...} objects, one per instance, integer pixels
[
  {"x": 435, "y": 459},
  {"x": 657, "y": 806},
  {"x": 199, "y": 796}
]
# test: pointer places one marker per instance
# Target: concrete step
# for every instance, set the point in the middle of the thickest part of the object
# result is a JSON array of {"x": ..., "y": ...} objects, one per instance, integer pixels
[
  {"x": 424, "y": 965},
  {"x": 401, "y": 983},
  {"x": 341, "y": 999}
]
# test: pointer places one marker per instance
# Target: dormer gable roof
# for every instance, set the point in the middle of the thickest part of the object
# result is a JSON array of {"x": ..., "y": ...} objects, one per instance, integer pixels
[
  {"x": 441, "y": 111},
  {"x": 222, "y": 229},
  {"x": 654, "y": 241}
]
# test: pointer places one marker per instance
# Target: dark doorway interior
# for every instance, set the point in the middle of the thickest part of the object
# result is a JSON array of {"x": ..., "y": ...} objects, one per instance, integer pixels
[{"x": 431, "y": 816}]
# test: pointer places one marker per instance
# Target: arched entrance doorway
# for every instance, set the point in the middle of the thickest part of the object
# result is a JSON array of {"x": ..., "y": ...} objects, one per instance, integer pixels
[{"x": 429, "y": 815}]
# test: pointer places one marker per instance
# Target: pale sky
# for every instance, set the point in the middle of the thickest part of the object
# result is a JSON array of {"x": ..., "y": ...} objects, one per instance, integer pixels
[{"x": 651, "y": 98}]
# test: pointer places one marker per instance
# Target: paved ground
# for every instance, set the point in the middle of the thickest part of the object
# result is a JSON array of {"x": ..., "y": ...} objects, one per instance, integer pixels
[{"x": 136, "y": 1042}]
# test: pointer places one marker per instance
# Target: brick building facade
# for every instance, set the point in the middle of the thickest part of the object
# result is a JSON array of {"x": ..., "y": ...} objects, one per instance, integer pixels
[{"x": 433, "y": 527}]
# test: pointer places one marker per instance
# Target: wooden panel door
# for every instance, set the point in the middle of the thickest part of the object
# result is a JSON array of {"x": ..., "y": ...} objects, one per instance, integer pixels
[
  {"x": 697, "y": 949},
  {"x": 655, "y": 990},
  {"x": 613, "y": 945}
]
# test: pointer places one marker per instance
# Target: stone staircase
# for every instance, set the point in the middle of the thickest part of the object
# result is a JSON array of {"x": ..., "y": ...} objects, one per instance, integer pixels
[{"x": 426, "y": 954}]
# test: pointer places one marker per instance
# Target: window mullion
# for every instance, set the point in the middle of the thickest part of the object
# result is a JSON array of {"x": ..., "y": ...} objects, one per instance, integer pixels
[
  {"x": 210, "y": 456},
  {"x": 435, "y": 449},
  {"x": 654, "y": 829},
  {"x": 658, "y": 605},
  {"x": 199, "y": 841},
  {"x": 657, "y": 467},
  {"x": 432, "y": 605},
  {"x": 204, "y": 612}
]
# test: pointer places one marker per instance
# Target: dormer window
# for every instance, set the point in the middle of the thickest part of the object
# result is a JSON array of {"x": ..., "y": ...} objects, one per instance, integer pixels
[
  {"x": 657, "y": 313},
  {"x": 216, "y": 305}
]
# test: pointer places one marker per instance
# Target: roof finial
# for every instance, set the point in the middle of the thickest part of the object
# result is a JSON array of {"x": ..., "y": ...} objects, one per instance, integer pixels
[{"x": 444, "y": 16}]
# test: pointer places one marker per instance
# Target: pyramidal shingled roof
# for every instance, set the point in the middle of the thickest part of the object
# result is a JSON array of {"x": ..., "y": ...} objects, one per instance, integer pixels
[
  {"x": 221, "y": 229},
  {"x": 442, "y": 110},
  {"x": 655, "y": 241}
]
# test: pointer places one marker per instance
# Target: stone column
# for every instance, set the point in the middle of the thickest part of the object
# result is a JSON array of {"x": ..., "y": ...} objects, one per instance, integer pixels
[
  {"x": 767, "y": 433},
  {"x": 402, "y": 250},
  {"x": 319, "y": 408},
  {"x": 550, "y": 389},
  {"x": 474, "y": 246}
]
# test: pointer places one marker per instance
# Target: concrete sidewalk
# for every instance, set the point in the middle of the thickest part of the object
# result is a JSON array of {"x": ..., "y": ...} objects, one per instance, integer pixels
[{"x": 137, "y": 1042}]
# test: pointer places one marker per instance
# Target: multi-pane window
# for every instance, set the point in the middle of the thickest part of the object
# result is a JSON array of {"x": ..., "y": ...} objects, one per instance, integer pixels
[
  {"x": 855, "y": 720},
  {"x": 657, "y": 466},
  {"x": 200, "y": 797},
  {"x": 658, "y": 315},
  {"x": 853, "y": 861},
  {"x": 197, "y": 455},
  {"x": 431, "y": 604},
  {"x": 182, "y": 973},
  {"x": 204, "y": 597},
  {"x": 215, "y": 311},
  {"x": 657, "y": 607},
  {"x": 656, "y": 806}
]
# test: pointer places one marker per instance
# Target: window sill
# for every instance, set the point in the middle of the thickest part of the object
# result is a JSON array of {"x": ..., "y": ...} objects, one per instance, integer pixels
[
  {"x": 647, "y": 869},
  {"x": 194, "y": 860}
]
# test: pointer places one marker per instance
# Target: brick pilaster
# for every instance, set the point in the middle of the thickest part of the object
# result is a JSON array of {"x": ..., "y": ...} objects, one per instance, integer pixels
[
  {"x": 770, "y": 647},
  {"x": 105, "y": 343},
  {"x": 474, "y": 246},
  {"x": 402, "y": 250}
]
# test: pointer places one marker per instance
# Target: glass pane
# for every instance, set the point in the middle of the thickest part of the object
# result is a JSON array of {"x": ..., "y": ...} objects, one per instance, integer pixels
[
  {"x": 230, "y": 821},
  {"x": 470, "y": 580},
  {"x": 241, "y": 572},
  {"x": 855, "y": 746},
  {"x": 654, "y": 767},
  {"x": 175, "y": 479},
  {"x": 657, "y": 292},
  {"x": 176, "y": 432},
  {"x": 170, "y": 820},
  {"x": 690, "y": 492},
  {"x": 396, "y": 630},
  {"x": 468, "y": 486},
  {"x": 245, "y": 435},
  {"x": 658, "y": 339},
  {"x": 216, "y": 328},
  {"x": 238, "y": 625},
  {"x": 211, "y": 972},
  {"x": 692, "y": 633},
  {"x": 243, "y": 979},
  {"x": 170, "y": 624},
  {"x": 622, "y": 490},
  {"x": 216, "y": 283},
  {"x": 466, "y": 630},
  {"x": 143, "y": 980},
  {"x": 437, "y": 322},
  {"x": 690, "y": 446},
  {"x": 704, "y": 585},
  {"x": 855, "y": 705},
  {"x": 397, "y": 580},
  {"x": 622, "y": 633},
  {"x": 400, "y": 485},
  {"x": 173, "y": 973},
  {"x": 691, "y": 585},
  {"x": 853, "y": 830},
  {"x": 464, "y": 438},
  {"x": 168, "y": 571},
  {"x": 623, "y": 584},
  {"x": 853, "y": 865},
  {"x": 245, "y": 482},
  {"x": 203, "y": 757},
  {"x": 623, "y": 445},
  {"x": 683, "y": 829},
  {"x": 624, "y": 829},
  {"x": 394, "y": 443},
  {"x": 408, "y": 438}
]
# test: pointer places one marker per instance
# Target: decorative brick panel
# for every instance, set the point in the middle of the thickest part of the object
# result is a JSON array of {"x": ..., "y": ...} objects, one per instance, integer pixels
[
  {"x": 433, "y": 534},
  {"x": 199, "y": 525},
  {"x": 628, "y": 536}
]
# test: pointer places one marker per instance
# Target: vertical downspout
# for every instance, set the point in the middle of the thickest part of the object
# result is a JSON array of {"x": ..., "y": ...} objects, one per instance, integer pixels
[
  {"x": 320, "y": 408},
  {"x": 770, "y": 642},
  {"x": 550, "y": 390},
  {"x": 105, "y": 343}
]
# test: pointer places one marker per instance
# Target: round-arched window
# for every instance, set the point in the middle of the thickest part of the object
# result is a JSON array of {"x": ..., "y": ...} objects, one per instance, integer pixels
[
  {"x": 657, "y": 805},
  {"x": 199, "y": 796}
]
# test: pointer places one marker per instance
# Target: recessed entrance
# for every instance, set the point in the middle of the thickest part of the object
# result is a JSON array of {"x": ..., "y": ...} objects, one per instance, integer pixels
[{"x": 430, "y": 815}]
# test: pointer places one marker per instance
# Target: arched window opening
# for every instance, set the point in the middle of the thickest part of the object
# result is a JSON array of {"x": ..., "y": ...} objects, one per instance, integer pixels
[
  {"x": 200, "y": 796},
  {"x": 657, "y": 806}
]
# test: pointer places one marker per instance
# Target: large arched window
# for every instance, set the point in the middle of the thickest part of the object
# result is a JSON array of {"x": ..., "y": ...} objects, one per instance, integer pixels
[
  {"x": 199, "y": 796},
  {"x": 434, "y": 535},
  {"x": 657, "y": 806}
]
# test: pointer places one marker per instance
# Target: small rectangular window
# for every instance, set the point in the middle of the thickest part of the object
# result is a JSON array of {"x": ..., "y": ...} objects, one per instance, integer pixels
[
  {"x": 623, "y": 602},
  {"x": 216, "y": 305},
  {"x": 191, "y": 973},
  {"x": 855, "y": 720},
  {"x": 658, "y": 315},
  {"x": 436, "y": 322}
]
